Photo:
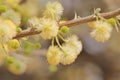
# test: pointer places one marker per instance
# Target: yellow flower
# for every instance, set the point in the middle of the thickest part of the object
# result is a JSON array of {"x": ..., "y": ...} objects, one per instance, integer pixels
[
  {"x": 102, "y": 32},
  {"x": 53, "y": 10},
  {"x": 49, "y": 29},
  {"x": 68, "y": 55},
  {"x": 7, "y": 30},
  {"x": 53, "y": 55},
  {"x": 74, "y": 43}
]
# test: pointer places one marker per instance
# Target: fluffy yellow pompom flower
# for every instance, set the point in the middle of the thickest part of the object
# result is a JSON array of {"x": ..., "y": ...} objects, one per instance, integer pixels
[
  {"x": 70, "y": 50},
  {"x": 49, "y": 29},
  {"x": 68, "y": 55},
  {"x": 74, "y": 43},
  {"x": 53, "y": 55},
  {"x": 16, "y": 67},
  {"x": 102, "y": 31},
  {"x": 7, "y": 30},
  {"x": 53, "y": 10}
]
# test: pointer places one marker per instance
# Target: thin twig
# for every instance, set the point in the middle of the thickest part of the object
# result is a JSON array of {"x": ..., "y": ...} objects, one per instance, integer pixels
[{"x": 72, "y": 22}]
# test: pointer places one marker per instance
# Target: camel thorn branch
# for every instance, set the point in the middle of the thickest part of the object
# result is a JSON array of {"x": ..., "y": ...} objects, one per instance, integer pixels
[{"x": 69, "y": 23}]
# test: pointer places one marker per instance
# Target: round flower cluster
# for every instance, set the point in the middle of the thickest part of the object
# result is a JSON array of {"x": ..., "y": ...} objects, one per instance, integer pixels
[
  {"x": 53, "y": 55},
  {"x": 71, "y": 49},
  {"x": 67, "y": 53},
  {"x": 49, "y": 27},
  {"x": 53, "y": 10},
  {"x": 101, "y": 30}
]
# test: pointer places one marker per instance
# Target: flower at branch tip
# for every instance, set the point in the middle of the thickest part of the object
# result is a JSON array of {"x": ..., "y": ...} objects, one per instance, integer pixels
[
  {"x": 53, "y": 10},
  {"x": 102, "y": 31},
  {"x": 53, "y": 55},
  {"x": 7, "y": 30},
  {"x": 49, "y": 29}
]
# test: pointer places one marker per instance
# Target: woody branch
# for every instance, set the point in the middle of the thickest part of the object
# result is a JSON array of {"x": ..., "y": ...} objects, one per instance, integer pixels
[{"x": 70, "y": 23}]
